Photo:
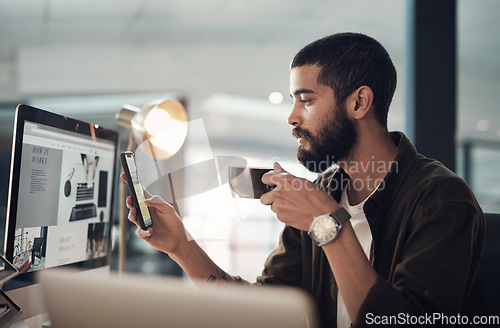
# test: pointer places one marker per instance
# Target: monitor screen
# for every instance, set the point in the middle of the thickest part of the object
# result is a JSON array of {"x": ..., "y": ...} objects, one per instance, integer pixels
[{"x": 60, "y": 194}]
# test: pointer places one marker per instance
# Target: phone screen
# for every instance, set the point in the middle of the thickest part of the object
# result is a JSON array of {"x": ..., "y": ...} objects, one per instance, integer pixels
[{"x": 139, "y": 191}]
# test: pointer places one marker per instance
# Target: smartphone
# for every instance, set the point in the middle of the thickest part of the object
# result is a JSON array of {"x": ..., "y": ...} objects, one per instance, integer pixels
[{"x": 136, "y": 189}]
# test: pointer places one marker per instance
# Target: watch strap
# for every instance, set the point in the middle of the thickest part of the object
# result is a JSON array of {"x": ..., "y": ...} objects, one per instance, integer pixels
[{"x": 341, "y": 215}]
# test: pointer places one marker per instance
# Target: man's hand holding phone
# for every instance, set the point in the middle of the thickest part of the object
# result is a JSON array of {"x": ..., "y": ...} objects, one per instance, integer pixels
[{"x": 168, "y": 234}]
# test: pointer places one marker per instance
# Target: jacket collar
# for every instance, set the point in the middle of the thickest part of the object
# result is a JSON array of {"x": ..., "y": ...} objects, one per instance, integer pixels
[{"x": 336, "y": 180}]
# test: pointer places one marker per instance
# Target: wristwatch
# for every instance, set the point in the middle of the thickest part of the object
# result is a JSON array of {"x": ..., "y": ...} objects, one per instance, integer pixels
[{"x": 325, "y": 228}]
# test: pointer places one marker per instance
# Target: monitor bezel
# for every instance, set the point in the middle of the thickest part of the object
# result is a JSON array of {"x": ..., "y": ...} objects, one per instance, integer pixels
[{"x": 36, "y": 115}]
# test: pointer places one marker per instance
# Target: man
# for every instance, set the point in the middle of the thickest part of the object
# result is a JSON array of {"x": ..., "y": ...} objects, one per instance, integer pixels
[{"x": 388, "y": 232}]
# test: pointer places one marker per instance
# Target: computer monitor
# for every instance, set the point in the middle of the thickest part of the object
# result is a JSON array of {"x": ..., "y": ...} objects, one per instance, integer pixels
[{"x": 60, "y": 196}]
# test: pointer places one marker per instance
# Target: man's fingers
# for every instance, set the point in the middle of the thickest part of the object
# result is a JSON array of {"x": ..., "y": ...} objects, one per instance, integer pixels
[
  {"x": 128, "y": 202},
  {"x": 267, "y": 198},
  {"x": 123, "y": 177},
  {"x": 267, "y": 178},
  {"x": 277, "y": 167},
  {"x": 276, "y": 177},
  {"x": 272, "y": 178},
  {"x": 159, "y": 204},
  {"x": 132, "y": 216},
  {"x": 143, "y": 234}
]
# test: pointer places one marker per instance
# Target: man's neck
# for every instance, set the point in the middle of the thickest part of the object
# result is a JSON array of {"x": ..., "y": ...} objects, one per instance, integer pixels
[{"x": 368, "y": 165}]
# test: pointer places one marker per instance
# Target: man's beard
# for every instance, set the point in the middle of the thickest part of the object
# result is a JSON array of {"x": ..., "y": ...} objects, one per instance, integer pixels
[{"x": 333, "y": 143}]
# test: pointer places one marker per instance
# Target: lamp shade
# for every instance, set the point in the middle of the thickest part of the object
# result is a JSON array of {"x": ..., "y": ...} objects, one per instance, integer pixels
[{"x": 161, "y": 123}]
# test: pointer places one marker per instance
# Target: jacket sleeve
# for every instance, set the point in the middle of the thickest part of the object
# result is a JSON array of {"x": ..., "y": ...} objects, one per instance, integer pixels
[
  {"x": 442, "y": 247},
  {"x": 283, "y": 266}
]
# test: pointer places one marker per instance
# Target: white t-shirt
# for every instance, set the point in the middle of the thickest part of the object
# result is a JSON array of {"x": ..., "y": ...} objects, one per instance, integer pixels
[{"x": 364, "y": 235}]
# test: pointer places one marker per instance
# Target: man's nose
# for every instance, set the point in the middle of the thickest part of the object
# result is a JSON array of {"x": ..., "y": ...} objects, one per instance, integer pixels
[{"x": 295, "y": 117}]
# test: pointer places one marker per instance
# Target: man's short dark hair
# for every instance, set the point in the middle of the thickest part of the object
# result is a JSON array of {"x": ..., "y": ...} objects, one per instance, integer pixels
[{"x": 348, "y": 61}]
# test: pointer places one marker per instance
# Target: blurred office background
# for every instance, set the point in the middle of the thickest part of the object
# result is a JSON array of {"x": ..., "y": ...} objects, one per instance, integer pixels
[{"x": 87, "y": 58}]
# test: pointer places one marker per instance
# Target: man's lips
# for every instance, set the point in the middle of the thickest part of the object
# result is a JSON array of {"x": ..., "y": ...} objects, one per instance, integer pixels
[{"x": 301, "y": 135}]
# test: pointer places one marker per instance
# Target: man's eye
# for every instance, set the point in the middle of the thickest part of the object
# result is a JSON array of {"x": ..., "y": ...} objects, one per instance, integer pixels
[{"x": 305, "y": 101}]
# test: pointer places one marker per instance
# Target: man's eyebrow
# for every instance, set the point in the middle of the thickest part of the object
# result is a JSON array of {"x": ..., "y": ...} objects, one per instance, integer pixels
[{"x": 300, "y": 91}]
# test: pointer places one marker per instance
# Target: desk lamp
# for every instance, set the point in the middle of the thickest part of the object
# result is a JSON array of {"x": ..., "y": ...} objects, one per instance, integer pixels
[{"x": 163, "y": 125}]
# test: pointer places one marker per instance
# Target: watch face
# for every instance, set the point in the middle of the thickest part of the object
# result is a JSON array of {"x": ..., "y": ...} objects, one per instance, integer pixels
[{"x": 325, "y": 229}]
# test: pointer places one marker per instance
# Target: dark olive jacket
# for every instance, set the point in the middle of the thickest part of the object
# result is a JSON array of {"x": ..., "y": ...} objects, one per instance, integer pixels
[{"x": 428, "y": 238}]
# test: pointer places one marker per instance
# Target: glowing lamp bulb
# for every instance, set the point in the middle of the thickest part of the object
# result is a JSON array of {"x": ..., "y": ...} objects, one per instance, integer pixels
[
  {"x": 157, "y": 121},
  {"x": 167, "y": 134}
]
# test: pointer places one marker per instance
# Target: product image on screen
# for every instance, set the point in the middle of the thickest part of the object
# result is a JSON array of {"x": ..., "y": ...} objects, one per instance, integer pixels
[
  {"x": 136, "y": 187},
  {"x": 60, "y": 200}
]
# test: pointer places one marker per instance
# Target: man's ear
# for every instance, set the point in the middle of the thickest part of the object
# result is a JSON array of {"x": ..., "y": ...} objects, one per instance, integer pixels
[{"x": 360, "y": 102}]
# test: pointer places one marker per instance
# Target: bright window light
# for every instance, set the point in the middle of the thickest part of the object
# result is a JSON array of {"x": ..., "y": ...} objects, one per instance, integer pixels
[
  {"x": 483, "y": 125},
  {"x": 276, "y": 98}
]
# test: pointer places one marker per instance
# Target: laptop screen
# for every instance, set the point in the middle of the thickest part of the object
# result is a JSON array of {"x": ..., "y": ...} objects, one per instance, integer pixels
[{"x": 60, "y": 194}]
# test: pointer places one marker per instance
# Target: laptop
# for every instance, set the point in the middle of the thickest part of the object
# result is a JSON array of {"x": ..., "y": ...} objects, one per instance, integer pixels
[{"x": 128, "y": 301}]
